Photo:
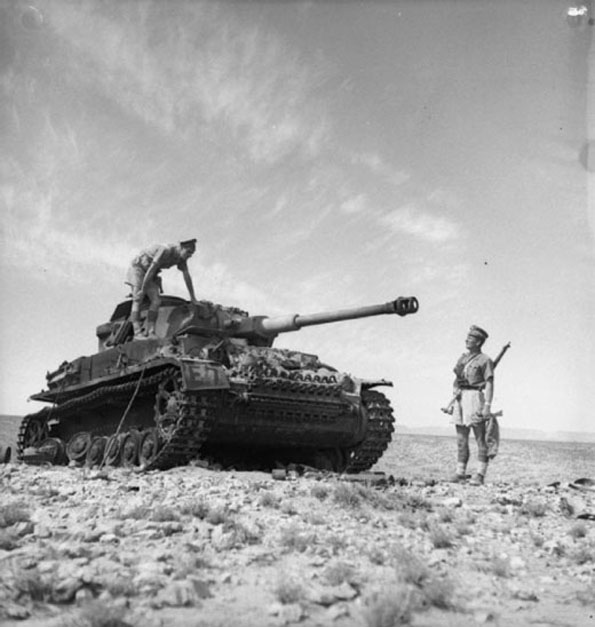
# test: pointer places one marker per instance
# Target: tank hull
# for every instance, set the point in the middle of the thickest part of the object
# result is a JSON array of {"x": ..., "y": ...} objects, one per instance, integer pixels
[{"x": 242, "y": 423}]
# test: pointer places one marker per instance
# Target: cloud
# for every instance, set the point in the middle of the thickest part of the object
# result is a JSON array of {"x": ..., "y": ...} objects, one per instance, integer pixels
[
  {"x": 377, "y": 165},
  {"x": 355, "y": 205},
  {"x": 201, "y": 65},
  {"x": 424, "y": 226}
]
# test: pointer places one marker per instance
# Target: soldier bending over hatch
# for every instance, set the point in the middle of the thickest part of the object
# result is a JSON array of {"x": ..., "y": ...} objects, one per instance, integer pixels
[{"x": 143, "y": 277}]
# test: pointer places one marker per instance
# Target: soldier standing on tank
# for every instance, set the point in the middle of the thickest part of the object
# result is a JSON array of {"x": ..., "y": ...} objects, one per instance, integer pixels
[
  {"x": 473, "y": 389},
  {"x": 143, "y": 277}
]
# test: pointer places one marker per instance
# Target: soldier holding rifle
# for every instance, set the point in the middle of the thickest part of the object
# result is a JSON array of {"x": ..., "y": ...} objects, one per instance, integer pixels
[{"x": 471, "y": 403}]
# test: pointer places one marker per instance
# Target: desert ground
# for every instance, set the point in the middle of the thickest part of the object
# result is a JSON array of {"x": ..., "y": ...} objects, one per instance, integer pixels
[{"x": 197, "y": 547}]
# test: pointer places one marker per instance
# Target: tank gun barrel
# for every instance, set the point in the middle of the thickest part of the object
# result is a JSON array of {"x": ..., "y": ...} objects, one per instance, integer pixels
[{"x": 265, "y": 326}]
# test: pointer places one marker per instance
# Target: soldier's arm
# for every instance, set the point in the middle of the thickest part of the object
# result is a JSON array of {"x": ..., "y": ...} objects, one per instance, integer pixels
[
  {"x": 189, "y": 286},
  {"x": 488, "y": 392}
]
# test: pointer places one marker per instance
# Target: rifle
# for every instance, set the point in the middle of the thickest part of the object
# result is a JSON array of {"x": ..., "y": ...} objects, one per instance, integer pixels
[{"x": 450, "y": 407}]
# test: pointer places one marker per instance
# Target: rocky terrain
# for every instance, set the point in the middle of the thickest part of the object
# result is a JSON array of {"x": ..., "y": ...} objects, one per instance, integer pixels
[{"x": 197, "y": 547}]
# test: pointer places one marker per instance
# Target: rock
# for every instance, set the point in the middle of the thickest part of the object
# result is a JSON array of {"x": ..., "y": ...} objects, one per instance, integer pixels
[
  {"x": 291, "y": 613},
  {"x": 484, "y": 616},
  {"x": 82, "y": 596},
  {"x": 453, "y": 502},
  {"x": 41, "y": 531},
  {"x": 17, "y": 611},
  {"x": 64, "y": 591},
  {"x": 177, "y": 594},
  {"x": 21, "y": 529},
  {"x": 329, "y": 595},
  {"x": 337, "y": 611}
]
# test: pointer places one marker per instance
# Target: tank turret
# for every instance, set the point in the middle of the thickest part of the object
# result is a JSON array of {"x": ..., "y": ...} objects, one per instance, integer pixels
[{"x": 210, "y": 384}]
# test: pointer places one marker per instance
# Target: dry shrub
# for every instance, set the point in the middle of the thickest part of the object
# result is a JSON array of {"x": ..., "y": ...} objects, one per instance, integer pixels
[
  {"x": 533, "y": 508},
  {"x": 496, "y": 565},
  {"x": 98, "y": 614},
  {"x": 319, "y": 491},
  {"x": 347, "y": 496},
  {"x": 440, "y": 538},
  {"x": 289, "y": 508},
  {"x": 31, "y": 583},
  {"x": 163, "y": 513},
  {"x": 13, "y": 513},
  {"x": 390, "y": 608},
  {"x": 268, "y": 499},
  {"x": 578, "y": 530},
  {"x": 583, "y": 555},
  {"x": 538, "y": 540},
  {"x": 417, "y": 501},
  {"x": 314, "y": 518},
  {"x": 340, "y": 572},
  {"x": 377, "y": 556},
  {"x": 410, "y": 568},
  {"x": 462, "y": 528},
  {"x": 218, "y": 516},
  {"x": 120, "y": 586},
  {"x": 138, "y": 512},
  {"x": 410, "y": 520},
  {"x": 241, "y": 534},
  {"x": 439, "y": 593},
  {"x": 336, "y": 543},
  {"x": 198, "y": 508},
  {"x": 288, "y": 590},
  {"x": 293, "y": 537},
  {"x": 445, "y": 515}
]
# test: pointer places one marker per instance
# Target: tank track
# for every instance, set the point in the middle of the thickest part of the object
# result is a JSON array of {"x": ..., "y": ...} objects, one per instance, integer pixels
[
  {"x": 197, "y": 414},
  {"x": 379, "y": 434}
]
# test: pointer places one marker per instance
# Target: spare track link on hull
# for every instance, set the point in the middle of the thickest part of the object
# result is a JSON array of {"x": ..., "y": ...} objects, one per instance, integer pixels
[
  {"x": 196, "y": 417},
  {"x": 378, "y": 434}
]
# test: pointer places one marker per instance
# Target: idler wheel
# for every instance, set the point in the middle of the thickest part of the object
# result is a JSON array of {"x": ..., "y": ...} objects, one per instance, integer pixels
[
  {"x": 95, "y": 451},
  {"x": 36, "y": 432},
  {"x": 111, "y": 454},
  {"x": 149, "y": 447},
  {"x": 130, "y": 448},
  {"x": 77, "y": 446}
]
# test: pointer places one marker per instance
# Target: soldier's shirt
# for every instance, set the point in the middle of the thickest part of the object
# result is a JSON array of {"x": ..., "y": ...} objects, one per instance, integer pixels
[
  {"x": 476, "y": 370},
  {"x": 163, "y": 256}
]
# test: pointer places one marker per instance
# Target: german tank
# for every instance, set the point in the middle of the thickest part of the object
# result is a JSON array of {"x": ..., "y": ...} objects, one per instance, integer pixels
[{"x": 210, "y": 386}]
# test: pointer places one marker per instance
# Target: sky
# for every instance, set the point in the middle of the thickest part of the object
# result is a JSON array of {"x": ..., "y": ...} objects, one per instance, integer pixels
[{"x": 325, "y": 155}]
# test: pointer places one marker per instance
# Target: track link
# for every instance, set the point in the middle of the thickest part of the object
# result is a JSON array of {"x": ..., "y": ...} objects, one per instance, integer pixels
[
  {"x": 379, "y": 433},
  {"x": 198, "y": 411}
]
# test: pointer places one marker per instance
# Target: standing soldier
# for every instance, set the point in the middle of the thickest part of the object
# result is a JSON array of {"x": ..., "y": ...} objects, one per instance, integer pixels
[
  {"x": 143, "y": 277},
  {"x": 473, "y": 390}
]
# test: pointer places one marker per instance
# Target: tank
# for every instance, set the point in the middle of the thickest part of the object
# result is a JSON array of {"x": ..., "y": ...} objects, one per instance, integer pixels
[{"x": 210, "y": 388}]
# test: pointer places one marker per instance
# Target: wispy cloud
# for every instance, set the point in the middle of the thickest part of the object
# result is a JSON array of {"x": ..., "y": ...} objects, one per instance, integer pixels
[
  {"x": 356, "y": 205},
  {"x": 201, "y": 65},
  {"x": 376, "y": 164},
  {"x": 431, "y": 228}
]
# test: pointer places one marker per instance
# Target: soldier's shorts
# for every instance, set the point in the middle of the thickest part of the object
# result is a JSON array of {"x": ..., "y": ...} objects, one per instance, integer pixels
[{"x": 135, "y": 277}]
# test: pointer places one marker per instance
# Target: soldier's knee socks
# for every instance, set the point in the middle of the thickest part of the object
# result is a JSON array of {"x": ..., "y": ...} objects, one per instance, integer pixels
[{"x": 135, "y": 319}]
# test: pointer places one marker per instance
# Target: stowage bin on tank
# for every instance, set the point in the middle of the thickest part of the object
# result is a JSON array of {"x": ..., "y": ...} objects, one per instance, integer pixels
[{"x": 210, "y": 386}]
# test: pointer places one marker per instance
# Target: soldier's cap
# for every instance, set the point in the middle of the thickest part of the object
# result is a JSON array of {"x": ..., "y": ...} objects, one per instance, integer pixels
[
  {"x": 188, "y": 243},
  {"x": 478, "y": 332}
]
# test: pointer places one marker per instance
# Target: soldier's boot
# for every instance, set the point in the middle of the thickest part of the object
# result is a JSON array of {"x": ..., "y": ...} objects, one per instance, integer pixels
[{"x": 151, "y": 323}]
